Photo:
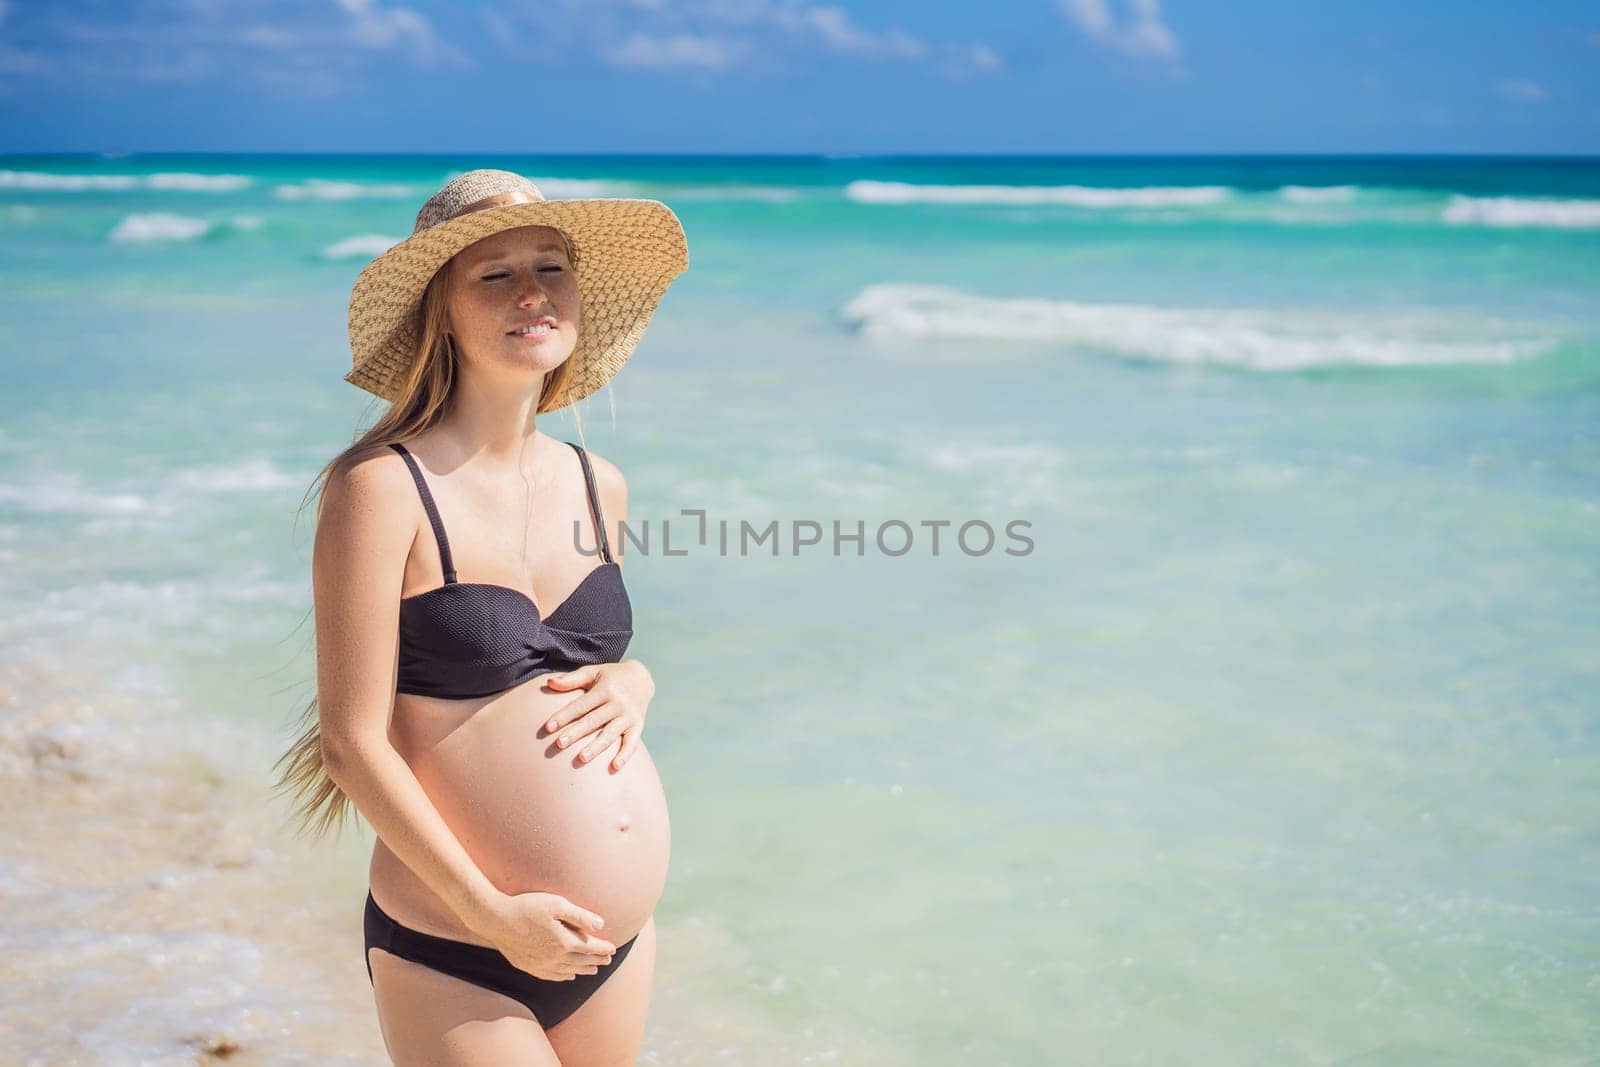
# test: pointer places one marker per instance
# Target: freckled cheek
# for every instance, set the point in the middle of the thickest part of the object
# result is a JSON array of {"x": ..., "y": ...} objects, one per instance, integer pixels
[{"x": 483, "y": 317}]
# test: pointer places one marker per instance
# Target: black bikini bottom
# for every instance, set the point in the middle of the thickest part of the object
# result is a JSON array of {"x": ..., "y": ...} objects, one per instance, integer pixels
[{"x": 483, "y": 966}]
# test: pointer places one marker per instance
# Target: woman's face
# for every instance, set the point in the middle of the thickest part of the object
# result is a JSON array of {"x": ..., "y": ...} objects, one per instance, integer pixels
[{"x": 505, "y": 284}]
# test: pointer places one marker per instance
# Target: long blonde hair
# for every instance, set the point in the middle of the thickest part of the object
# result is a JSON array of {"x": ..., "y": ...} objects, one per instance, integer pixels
[{"x": 319, "y": 804}]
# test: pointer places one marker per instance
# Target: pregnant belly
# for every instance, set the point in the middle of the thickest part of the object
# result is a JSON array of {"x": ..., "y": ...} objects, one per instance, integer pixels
[{"x": 531, "y": 816}]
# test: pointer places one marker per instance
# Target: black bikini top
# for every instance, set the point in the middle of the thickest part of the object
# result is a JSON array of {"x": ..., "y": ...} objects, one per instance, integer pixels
[{"x": 473, "y": 639}]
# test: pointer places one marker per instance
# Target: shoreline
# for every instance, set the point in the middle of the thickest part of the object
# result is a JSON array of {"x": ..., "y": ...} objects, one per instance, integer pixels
[{"x": 144, "y": 878}]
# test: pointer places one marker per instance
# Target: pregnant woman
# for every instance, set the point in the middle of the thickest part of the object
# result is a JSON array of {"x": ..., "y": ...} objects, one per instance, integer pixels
[{"x": 472, "y": 699}]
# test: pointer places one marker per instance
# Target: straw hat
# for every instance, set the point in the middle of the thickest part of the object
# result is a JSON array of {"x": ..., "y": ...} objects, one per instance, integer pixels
[{"x": 625, "y": 253}]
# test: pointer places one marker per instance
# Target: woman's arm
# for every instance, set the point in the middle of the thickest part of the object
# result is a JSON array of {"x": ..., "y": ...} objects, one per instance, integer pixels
[{"x": 358, "y": 569}]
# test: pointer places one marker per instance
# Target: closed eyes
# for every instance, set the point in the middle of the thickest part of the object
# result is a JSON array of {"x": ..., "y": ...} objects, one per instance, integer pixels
[{"x": 503, "y": 274}]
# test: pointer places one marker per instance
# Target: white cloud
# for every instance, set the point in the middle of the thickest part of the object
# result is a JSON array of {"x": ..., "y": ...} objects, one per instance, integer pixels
[
  {"x": 1141, "y": 34},
  {"x": 324, "y": 47},
  {"x": 670, "y": 53},
  {"x": 832, "y": 26},
  {"x": 398, "y": 29},
  {"x": 983, "y": 57},
  {"x": 313, "y": 47},
  {"x": 1149, "y": 35},
  {"x": 1521, "y": 89},
  {"x": 1092, "y": 15},
  {"x": 714, "y": 35}
]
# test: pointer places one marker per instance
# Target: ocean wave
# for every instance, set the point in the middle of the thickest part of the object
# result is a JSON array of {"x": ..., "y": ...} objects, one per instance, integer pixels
[
  {"x": 1522, "y": 211},
  {"x": 199, "y": 183},
  {"x": 771, "y": 194},
  {"x": 364, "y": 246},
  {"x": 1257, "y": 340},
  {"x": 252, "y": 475},
  {"x": 146, "y": 227},
  {"x": 39, "y": 180},
  {"x": 997, "y": 477},
  {"x": 32, "y": 179},
  {"x": 113, "y": 507},
  {"x": 1318, "y": 194},
  {"x": 324, "y": 189},
  {"x": 874, "y": 192},
  {"x": 559, "y": 188},
  {"x": 70, "y": 496},
  {"x": 159, "y": 226}
]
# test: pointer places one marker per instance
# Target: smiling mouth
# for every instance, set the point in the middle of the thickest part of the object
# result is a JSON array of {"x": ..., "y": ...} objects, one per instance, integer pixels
[{"x": 539, "y": 329}]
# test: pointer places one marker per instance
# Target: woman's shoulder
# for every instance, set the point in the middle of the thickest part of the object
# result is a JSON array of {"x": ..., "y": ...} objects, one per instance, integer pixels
[
  {"x": 608, "y": 479},
  {"x": 610, "y": 485},
  {"x": 605, "y": 470},
  {"x": 371, "y": 474},
  {"x": 367, "y": 520}
]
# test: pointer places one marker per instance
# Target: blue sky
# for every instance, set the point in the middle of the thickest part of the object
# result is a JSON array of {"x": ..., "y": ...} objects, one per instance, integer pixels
[{"x": 779, "y": 76}]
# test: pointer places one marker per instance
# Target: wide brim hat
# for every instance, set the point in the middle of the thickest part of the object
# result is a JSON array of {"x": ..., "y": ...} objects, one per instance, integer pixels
[{"x": 625, "y": 253}]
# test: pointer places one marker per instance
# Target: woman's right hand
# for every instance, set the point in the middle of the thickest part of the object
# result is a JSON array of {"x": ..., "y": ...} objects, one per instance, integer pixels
[{"x": 544, "y": 934}]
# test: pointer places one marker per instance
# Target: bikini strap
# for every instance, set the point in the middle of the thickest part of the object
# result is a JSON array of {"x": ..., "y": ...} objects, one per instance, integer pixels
[
  {"x": 594, "y": 502},
  {"x": 445, "y": 561}
]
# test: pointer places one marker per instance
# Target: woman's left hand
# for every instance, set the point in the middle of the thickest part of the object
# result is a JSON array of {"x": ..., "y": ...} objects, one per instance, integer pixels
[{"x": 615, "y": 698}]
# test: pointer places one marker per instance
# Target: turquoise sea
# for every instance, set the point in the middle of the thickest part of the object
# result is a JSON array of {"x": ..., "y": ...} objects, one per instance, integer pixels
[{"x": 1280, "y": 745}]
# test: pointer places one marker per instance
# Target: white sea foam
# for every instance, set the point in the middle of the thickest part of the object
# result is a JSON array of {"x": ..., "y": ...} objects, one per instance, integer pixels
[
  {"x": 1522, "y": 211},
  {"x": 159, "y": 226},
  {"x": 364, "y": 246},
  {"x": 1318, "y": 194},
  {"x": 556, "y": 188},
  {"x": 323, "y": 189},
  {"x": 46, "y": 181},
  {"x": 40, "y": 180},
  {"x": 771, "y": 194},
  {"x": 252, "y": 475},
  {"x": 70, "y": 496},
  {"x": 199, "y": 183},
  {"x": 165, "y": 997},
  {"x": 18, "y": 878},
  {"x": 1261, "y": 340},
  {"x": 1007, "y": 477},
  {"x": 873, "y": 192}
]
